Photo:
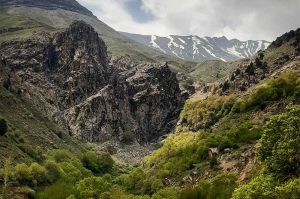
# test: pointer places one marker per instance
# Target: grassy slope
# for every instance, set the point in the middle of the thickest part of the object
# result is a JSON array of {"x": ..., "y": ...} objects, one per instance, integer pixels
[
  {"x": 21, "y": 27},
  {"x": 28, "y": 129},
  {"x": 212, "y": 70}
]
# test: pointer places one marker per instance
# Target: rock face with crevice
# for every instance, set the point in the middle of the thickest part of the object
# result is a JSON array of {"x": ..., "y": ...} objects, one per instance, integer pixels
[{"x": 69, "y": 78}]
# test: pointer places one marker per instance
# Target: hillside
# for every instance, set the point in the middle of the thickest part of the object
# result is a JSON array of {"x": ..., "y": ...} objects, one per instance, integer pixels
[
  {"x": 29, "y": 133},
  {"x": 86, "y": 113},
  {"x": 195, "y": 48},
  {"x": 281, "y": 55},
  {"x": 70, "y": 5},
  {"x": 223, "y": 145}
]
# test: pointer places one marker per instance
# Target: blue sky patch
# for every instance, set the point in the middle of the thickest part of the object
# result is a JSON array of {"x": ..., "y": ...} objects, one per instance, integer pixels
[{"x": 134, "y": 9}]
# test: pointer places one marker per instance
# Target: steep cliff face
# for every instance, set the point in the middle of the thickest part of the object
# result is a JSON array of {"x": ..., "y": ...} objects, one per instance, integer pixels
[{"x": 69, "y": 78}]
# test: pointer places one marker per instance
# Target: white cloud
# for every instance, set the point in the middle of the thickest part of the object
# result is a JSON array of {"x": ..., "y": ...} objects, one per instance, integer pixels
[{"x": 241, "y": 19}]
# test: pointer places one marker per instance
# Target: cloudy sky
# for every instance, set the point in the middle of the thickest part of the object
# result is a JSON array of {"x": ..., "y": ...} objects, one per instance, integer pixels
[{"x": 241, "y": 19}]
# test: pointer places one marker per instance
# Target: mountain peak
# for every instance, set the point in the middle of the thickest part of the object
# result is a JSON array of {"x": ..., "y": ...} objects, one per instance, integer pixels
[{"x": 195, "y": 48}]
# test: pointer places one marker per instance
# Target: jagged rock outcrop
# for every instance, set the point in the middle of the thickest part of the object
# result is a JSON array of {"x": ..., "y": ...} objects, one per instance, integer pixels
[{"x": 68, "y": 77}]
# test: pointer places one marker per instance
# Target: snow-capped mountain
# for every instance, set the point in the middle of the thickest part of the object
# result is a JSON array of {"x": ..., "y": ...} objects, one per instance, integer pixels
[{"x": 194, "y": 48}]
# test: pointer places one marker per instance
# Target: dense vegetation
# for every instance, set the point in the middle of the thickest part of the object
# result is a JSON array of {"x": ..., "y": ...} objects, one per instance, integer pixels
[
  {"x": 279, "y": 152},
  {"x": 184, "y": 166}
]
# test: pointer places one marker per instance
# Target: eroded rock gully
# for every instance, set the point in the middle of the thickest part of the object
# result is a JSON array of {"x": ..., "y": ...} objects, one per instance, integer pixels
[{"x": 69, "y": 78}]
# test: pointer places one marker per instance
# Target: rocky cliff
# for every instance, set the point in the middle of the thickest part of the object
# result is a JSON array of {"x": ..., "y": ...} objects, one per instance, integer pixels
[{"x": 68, "y": 76}]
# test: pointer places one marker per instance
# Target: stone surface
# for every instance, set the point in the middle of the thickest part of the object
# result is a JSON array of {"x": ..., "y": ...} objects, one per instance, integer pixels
[{"x": 69, "y": 78}]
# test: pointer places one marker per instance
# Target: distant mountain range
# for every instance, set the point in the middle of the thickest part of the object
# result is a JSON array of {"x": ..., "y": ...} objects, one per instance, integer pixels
[{"x": 194, "y": 48}]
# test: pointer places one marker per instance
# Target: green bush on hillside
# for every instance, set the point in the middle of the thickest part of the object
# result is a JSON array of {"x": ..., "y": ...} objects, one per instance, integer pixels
[
  {"x": 71, "y": 168},
  {"x": 291, "y": 189},
  {"x": 259, "y": 187},
  {"x": 279, "y": 152},
  {"x": 167, "y": 193},
  {"x": 219, "y": 187},
  {"x": 58, "y": 190},
  {"x": 94, "y": 187},
  {"x": 287, "y": 84},
  {"x": 3, "y": 127},
  {"x": 280, "y": 143},
  {"x": 202, "y": 114},
  {"x": 97, "y": 163},
  {"x": 265, "y": 186}
]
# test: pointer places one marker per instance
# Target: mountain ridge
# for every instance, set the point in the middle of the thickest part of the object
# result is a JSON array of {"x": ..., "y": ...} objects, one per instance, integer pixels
[
  {"x": 195, "y": 48},
  {"x": 71, "y": 5}
]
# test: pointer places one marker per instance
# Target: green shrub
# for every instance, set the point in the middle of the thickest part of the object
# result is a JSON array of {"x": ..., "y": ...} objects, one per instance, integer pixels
[
  {"x": 60, "y": 155},
  {"x": 222, "y": 186},
  {"x": 279, "y": 152},
  {"x": 70, "y": 168},
  {"x": 32, "y": 175},
  {"x": 280, "y": 143},
  {"x": 97, "y": 163},
  {"x": 34, "y": 153},
  {"x": 259, "y": 187},
  {"x": 73, "y": 171},
  {"x": 3, "y": 127},
  {"x": 128, "y": 137},
  {"x": 54, "y": 171},
  {"x": 287, "y": 84},
  {"x": 38, "y": 173},
  {"x": 167, "y": 193},
  {"x": 58, "y": 190},
  {"x": 23, "y": 174},
  {"x": 290, "y": 189},
  {"x": 93, "y": 187},
  {"x": 134, "y": 181},
  {"x": 244, "y": 135},
  {"x": 202, "y": 114},
  {"x": 219, "y": 187}
]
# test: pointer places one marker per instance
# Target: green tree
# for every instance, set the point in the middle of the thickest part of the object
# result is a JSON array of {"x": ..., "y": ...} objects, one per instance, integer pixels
[
  {"x": 7, "y": 176},
  {"x": 222, "y": 186},
  {"x": 97, "y": 163},
  {"x": 23, "y": 173},
  {"x": 38, "y": 173},
  {"x": 280, "y": 144},
  {"x": 93, "y": 187}
]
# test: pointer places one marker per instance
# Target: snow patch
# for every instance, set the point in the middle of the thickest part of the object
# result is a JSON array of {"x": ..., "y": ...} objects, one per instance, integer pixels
[
  {"x": 234, "y": 52},
  {"x": 196, "y": 41},
  {"x": 182, "y": 41},
  {"x": 154, "y": 44}
]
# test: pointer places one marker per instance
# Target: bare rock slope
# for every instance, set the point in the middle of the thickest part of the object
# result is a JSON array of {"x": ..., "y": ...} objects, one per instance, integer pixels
[{"x": 68, "y": 76}]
